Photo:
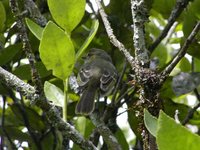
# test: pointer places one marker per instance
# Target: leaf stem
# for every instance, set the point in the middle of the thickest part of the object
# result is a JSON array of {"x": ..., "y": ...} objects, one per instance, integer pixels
[{"x": 65, "y": 82}]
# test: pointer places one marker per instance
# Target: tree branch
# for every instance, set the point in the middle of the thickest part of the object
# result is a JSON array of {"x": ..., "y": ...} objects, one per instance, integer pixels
[
  {"x": 26, "y": 45},
  {"x": 139, "y": 14},
  {"x": 35, "y": 13},
  {"x": 190, "y": 114},
  {"x": 51, "y": 112},
  {"x": 175, "y": 13},
  {"x": 3, "y": 128},
  {"x": 108, "y": 136},
  {"x": 181, "y": 53},
  {"x": 192, "y": 111},
  {"x": 111, "y": 35}
]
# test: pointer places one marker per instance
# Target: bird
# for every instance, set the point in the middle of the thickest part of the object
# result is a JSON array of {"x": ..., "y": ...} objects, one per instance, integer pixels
[{"x": 97, "y": 76}]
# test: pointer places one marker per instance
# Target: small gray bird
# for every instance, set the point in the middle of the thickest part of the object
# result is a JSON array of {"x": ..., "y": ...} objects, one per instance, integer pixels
[{"x": 97, "y": 75}]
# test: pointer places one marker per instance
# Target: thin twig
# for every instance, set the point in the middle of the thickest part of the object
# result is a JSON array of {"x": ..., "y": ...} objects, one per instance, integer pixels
[
  {"x": 25, "y": 118},
  {"x": 118, "y": 82},
  {"x": 170, "y": 33},
  {"x": 181, "y": 53},
  {"x": 175, "y": 13},
  {"x": 28, "y": 126},
  {"x": 26, "y": 45},
  {"x": 111, "y": 35},
  {"x": 190, "y": 114},
  {"x": 192, "y": 111},
  {"x": 108, "y": 136},
  {"x": 122, "y": 96},
  {"x": 51, "y": 112},
  {"x": 3, "y": 125}
]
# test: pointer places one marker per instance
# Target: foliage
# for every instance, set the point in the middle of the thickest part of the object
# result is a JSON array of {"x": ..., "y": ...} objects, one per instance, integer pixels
[{"x": 71, "y": 30}]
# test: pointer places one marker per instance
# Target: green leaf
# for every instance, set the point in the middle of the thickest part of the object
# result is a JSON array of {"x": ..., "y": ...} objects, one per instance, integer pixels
[
  {"x": 171, "y": 135},
  {"x": 166, "y": 90},
  {"x": 54, "y": 94},
  {"x": 170, "y": 108},
  {"x": 150, "y": 122},
  {"x": 164, "y": 7},
  {"x": 121, "y": 138},
  {"x": 162, "y": 54},
  {"x": 52, "y": 140},
  {"x": 191, "y": 17},
  {"x": 15, "y": 133},
  {"x": 84, "y": 126},
  {"x": 196, "y": 65},
  {"x": 57, "y": 51},
  {"x": 36, "y": 121},
  {"x": 93, "y": 31},
  {"x": 11, "y": 119},
  {"x": 67, "y": 13},
  {"x": 184, "y": 65},
  {"x": 34, "y": 28},
  {"x": 7, "y": 54},
  {"x": 24, "y": 71},
  {"x": 2, "y": 16}
]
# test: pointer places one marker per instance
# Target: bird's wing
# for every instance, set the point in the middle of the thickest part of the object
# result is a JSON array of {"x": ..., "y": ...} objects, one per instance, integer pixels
[
  {"x": 107, "y": 81},
  {"x": 84, "y": 75}
]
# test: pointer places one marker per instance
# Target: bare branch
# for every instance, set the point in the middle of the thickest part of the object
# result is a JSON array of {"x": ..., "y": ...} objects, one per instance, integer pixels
[
  {"x": 175, "y": 13},
  {"x": 111, "y": 35},
  {"x": 26, "y": 45},
  {"x": 192, "y": 111},
  {"x": 3, "y": 128},
  {"x": 118, "y": 83},
  {"x": 51, "y": 112},
  {"x": 35, "y": 13},
  {"x": 182, "y": 51},
  {"x": 190, "y": 114},
  {"x": 108, "y": 136},
  {"x": 139, "y": 14}
]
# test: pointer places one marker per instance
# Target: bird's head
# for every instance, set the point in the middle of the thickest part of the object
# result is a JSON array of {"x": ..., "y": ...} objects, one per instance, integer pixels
[{"x": 98, "y": 53}]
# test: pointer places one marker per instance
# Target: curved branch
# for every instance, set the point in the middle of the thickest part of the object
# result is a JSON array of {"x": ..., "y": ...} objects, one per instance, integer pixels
[
  {"x": 51, "y": 112},
  {"x": 181, "y": 53},
  {"x": 111, "y": 35},
  {"x": 175, "y": 13},
  {"x": 108, "y": 136}
]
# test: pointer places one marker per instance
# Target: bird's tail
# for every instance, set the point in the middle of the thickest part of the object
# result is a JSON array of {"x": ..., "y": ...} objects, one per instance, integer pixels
[{"x": 86, "y": 104}]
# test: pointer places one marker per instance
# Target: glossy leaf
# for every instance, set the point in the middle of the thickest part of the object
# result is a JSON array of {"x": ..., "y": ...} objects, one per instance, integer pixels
[
  {"x": 84, "y": 126},
  {"x": 184, "y": 65},
  {"x": 24, "y": 71},
  {"x": 150, "y": 122},
  {"x": 122, "y": 139},
  {"x": 2, "y": 16},
  {"x": 34, "y": 28},
  {"x": 54, "y": 94},
  {"x": 171, "y": 135},
  {"x": 57, "y": 51},
  {"x": 67, "y": 13},
  {"x": 7, "y": 54}
]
